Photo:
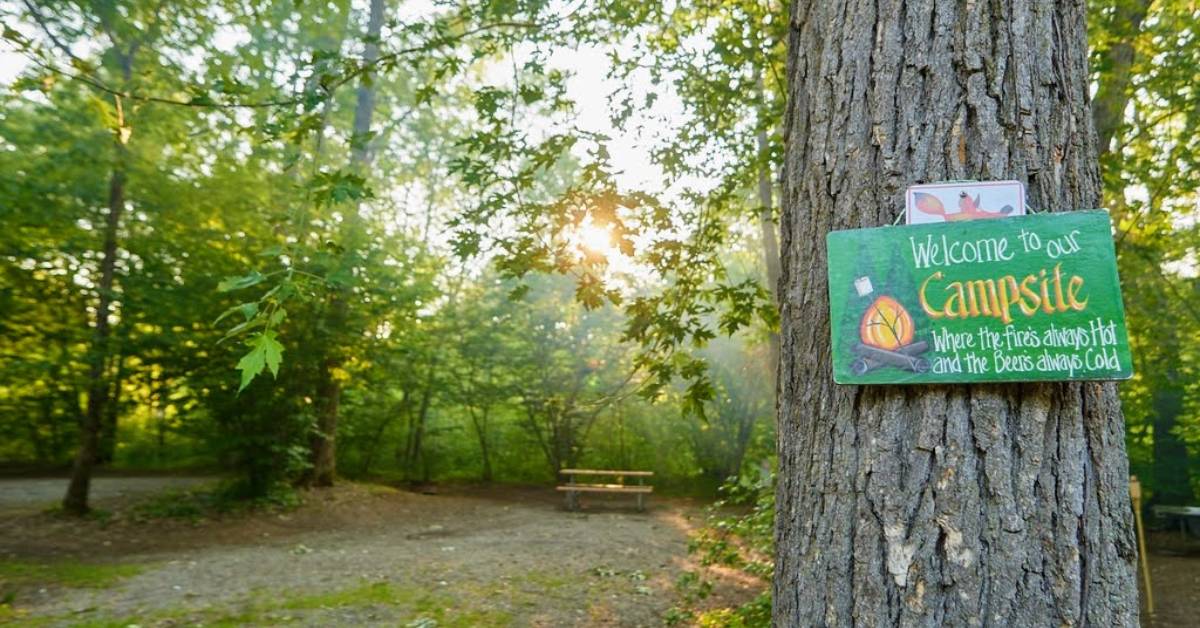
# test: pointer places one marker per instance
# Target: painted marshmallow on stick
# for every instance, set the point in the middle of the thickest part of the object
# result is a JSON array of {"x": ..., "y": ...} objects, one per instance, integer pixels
[{"x": 886, "y": 331}]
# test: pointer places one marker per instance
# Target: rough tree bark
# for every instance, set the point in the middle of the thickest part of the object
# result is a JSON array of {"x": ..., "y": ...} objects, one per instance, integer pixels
[{"x": 938, "y": 505}]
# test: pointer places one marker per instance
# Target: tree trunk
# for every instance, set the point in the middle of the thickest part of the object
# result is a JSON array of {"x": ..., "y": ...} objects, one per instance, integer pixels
[
  {"x": 480, "y": 422},
  {"x": 1114, "y": 91},
  {"x": 364, "y": 109},
  {"x": 938, "y": 505},
  {"x": 329, "y": 388},
  {"x": 415, "y": 452},
  {"x": 76, "y": 499},
  {"x": 377, "y": 440},
  {"x": 323, "y": 443},
  {"x": 770, "y": 242},
  {"x": 112, "y": 411}
]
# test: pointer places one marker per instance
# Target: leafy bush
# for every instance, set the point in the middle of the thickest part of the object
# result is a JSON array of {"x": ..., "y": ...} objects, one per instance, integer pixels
[
  {"x": 743, "y": 540},
  {"x": 227, "y": 498}
]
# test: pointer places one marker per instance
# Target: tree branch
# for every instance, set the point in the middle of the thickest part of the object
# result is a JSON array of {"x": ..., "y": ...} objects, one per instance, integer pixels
[{"x": 99, "y": 85}]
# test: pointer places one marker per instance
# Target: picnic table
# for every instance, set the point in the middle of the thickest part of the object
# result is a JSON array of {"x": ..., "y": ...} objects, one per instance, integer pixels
[
  {"x": 1188, "y": 517},
  {"x": 615, "y": 484}
]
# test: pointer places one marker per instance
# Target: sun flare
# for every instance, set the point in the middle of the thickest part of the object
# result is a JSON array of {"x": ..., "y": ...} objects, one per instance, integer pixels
[{"x": 595, "y": 239}]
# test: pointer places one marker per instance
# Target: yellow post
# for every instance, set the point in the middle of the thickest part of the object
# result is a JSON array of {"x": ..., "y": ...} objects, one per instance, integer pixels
[{"x": 1135, "y": 492}]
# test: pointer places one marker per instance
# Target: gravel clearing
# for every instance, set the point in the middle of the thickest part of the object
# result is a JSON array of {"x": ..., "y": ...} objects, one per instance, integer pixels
[{"x": 359, "y": 555}]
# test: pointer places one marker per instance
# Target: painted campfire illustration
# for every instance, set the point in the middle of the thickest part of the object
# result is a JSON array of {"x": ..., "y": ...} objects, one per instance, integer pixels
[{"x": 886, "y": 336}]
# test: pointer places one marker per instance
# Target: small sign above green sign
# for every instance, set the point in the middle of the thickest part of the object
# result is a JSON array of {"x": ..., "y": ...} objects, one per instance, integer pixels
[{"x": 1030, "y": 298}]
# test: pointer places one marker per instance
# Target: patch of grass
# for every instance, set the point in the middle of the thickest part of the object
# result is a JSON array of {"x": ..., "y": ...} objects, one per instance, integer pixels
[
  {"x": 416, "y": 606},
  {"x": 66, "y": 573},
  {"x": 548, "y": 581},
  {"x": 368, "y": 594},
  {"x": 19, "y": 576},
  {"x": 420, "y": 604},
  {"x": 10, "y": 615},
  {"x": 99, "y": 515},
  {"x": 755, "y": 614},
  {"x": 190, "y": 505},
  {"x": 76, "y": 622},
  {"x": 373, "y": 488}
]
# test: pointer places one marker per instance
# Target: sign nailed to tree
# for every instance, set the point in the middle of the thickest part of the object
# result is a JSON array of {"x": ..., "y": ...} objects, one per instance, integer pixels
[{"x": 1031, "y": 298}]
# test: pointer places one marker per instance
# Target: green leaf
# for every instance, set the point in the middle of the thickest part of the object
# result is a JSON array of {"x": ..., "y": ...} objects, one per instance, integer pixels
[
  {"x": 16, "y": 37},
  {"x": 273, "y": 352},
  {"x": 230, "y": 284},
  {"x": 361, "y": 141},
  {"x": 332, "y": 188},
  {"x": 342, "y": 276},
  {"x": 83, "y": 66},
  {"x": 242, "y": 327},
  {"x": 518, "y": 292},
  {"x": 248, "y": 310},
  {"x": 250, "y": 365},
  {"x": 265, "y": 351}
]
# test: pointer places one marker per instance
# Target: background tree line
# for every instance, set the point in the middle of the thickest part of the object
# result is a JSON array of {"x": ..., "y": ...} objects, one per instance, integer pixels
[
  {"x": 152, "y": 246},
  {"x": 373, "y": 218}
]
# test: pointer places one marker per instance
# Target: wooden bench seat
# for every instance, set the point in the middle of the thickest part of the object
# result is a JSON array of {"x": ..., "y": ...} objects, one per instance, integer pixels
[
  {"x": 632, "y": 474},
  {"x": 606, "y": 488},
  {"x": 572, "y": 488}
]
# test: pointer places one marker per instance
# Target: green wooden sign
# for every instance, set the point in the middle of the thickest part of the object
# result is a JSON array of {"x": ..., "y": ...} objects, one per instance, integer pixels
[{"x": 1031, "y": 298}]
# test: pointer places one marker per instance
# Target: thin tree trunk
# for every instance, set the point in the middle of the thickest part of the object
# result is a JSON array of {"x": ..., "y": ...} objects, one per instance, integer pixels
[
  {"x": 329, "y": 388},
  {"x": 938, "y": 505},
  {"x": 622, "y": 458},
  {"x": 328, "y": 391},
  {"x": 323, "y": 443},
  {"x": 770, "y": 243},
  {"x": 745, "y": 431},
  {"x": 480, "y": 422},
  {"x": 1114, "y": 89},
  {"x": 377, "y": 440},
  {"x": 416, "y": 439},
  {"x": 364, "y": 109},
  {"x": 76, "y": 499},
  {"x": 108, "y": 430}
]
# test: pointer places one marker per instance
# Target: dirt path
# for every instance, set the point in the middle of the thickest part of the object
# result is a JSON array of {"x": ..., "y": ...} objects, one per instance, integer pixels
[
  {"x": 368, "y": 555},
  {"x": 357, "y": 555},
  {"x": 1175, "y": 576}
]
